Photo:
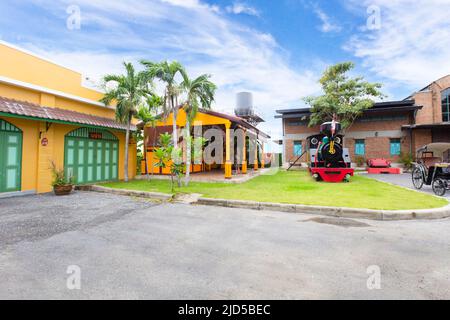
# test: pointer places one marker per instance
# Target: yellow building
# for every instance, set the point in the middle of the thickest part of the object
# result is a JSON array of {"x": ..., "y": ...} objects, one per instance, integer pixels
[
  {"x": 47, "y": 115},
  {"x": 231, "y": 127}
]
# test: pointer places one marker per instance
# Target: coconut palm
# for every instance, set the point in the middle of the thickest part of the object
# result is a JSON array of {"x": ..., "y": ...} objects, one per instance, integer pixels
[
  {"x": 167, "y": 73},
  {"x": 128, "y": 91},
  {"x": 199, "y": 93}
]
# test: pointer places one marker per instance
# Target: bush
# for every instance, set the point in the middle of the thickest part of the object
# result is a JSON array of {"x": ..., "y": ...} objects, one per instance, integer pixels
[
  {"x": 360, "y": 161},
  {"x": 407, "y": 160},
  {"x": 59, "y": 177}
]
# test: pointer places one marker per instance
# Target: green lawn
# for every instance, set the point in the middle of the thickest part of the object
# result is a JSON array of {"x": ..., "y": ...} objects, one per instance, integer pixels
[{"x": 298, "y": 187}]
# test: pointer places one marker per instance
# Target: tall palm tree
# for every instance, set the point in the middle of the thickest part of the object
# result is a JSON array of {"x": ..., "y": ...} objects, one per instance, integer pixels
[
  {"x": 129, "y": 90},
  {"x": 167, "y": 73},
  {"x": 148, "y": 114},
  {"x": 199, "y": 93}
]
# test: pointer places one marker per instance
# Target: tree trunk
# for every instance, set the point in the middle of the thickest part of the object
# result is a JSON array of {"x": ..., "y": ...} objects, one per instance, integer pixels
[
  {"x": 174, "y": 124},
  {"x": 127, "y": 141},
  {"x": 146, "y": 159},
  {"x": 188, "y": 152}
]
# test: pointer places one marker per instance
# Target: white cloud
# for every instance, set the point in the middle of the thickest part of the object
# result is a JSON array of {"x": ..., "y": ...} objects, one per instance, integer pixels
[
  {"x": 242, "y": 8},
  {"x": 412, "y": 44},
  {"x": 328, "y": 25},
  {"x": 238, "y": 58}
]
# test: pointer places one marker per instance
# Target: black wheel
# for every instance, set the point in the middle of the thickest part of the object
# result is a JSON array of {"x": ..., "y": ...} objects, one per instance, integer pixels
[
  {"x": 439, "y": 187},
  {"x": 417, "y": 178}
]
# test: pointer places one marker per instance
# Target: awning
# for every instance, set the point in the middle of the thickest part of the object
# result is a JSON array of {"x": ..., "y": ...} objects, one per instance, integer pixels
[{"x": 23, "y": 109}]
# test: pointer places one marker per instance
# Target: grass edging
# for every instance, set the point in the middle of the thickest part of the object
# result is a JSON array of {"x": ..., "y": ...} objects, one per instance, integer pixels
[{"x": 342, "y": 212}]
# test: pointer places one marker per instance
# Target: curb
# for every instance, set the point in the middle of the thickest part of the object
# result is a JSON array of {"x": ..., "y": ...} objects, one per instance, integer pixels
[
  {"x": 340, "y": 212},
  {"x": 124, "y": 192},
  {"x": 385, "y": 215}
]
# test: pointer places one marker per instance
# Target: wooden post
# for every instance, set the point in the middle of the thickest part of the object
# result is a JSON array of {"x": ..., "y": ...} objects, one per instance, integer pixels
[
  {"x": 255, "y": 162},
  {"x": 263, "y": 163},
  {"x": 244, "y": 153},
  {"x": 228, "y": 163}
]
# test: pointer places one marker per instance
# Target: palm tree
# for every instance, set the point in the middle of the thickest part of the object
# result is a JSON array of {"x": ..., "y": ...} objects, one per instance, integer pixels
[
  {"x": 199, "y": 93},
  {"x": 129, "y": 91},
  {"x": 147, "y": 113},
  {"x": 167, "y": 72}
]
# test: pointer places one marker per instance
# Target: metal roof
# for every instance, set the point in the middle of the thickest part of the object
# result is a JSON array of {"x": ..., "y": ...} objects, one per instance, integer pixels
[{"x": 23, "y": 109}]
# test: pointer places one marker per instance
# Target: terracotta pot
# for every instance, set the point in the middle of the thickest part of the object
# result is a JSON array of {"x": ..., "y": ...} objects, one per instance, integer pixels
[{"x": 63, "y": 190}]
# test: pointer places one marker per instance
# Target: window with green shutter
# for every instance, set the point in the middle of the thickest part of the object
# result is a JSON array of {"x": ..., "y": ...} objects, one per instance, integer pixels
[
  {"x": 395, "y": 147},
  {"x": 360, "y": 147}
]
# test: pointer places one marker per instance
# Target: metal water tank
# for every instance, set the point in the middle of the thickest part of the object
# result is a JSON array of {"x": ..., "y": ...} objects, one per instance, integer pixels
[{"x": 244, "y": 104}]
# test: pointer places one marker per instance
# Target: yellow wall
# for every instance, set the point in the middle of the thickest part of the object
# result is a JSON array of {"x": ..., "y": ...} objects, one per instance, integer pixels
[
  {"x": 17, "y": 65},
  {"x": 200, "y": 119}
]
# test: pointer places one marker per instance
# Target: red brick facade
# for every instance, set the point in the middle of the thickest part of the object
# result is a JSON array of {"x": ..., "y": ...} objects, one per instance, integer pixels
[{"x": 414, "y": 125}]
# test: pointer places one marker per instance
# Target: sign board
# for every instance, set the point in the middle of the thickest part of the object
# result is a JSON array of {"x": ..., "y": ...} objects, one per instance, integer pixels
[{"x": 95, "y": 135}]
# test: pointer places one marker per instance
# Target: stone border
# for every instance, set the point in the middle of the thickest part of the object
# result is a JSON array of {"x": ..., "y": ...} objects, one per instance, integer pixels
[
  {"x": 387, "y": 215},
  {"x": 123, "y": 192},
  {"x": 341, "y": 212}
]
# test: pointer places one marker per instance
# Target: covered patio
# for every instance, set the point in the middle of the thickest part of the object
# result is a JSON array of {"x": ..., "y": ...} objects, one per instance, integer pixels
[{"x": 241, "y": 150}]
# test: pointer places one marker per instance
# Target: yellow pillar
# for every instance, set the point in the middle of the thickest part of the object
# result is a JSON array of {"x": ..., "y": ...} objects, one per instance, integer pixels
[
  {"x": 255, "y": 163},
  {"x": 228, "y": 162},
  {"x": 262, "y": 155},
  {"x": 244, "y": 153}
]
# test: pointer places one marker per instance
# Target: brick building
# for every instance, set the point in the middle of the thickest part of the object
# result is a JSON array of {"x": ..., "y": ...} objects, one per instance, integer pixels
[{"x": 386, "y": 130}]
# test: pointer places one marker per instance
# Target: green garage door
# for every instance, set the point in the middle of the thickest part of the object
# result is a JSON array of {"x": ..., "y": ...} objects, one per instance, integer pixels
[
  {"x": 91, "y": 155},
  {"x": 10, "y": 157}
]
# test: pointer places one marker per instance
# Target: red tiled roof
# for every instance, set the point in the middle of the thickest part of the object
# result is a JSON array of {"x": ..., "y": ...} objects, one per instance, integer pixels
[{"x": 28, "y": 109}]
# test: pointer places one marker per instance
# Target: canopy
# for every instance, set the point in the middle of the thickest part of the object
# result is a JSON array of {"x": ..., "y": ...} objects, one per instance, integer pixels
[{"x": 438, "y": 148}]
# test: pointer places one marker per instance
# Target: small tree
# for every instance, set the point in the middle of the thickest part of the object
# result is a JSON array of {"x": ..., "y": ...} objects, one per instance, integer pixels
[
  {"x": 345, "y": 99},
  {"x": 166, "y": 155}
]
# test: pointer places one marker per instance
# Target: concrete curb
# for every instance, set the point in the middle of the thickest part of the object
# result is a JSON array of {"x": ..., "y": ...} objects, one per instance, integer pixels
[
  {"x": 341, "y": 212},
  {"x": 124, "y": 192},
  {"x": 386, "y": 215}
]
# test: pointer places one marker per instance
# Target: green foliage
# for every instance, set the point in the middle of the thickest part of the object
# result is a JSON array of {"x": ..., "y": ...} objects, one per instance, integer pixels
[
  {"x": 168, "y": 154},
  {"x": 360, "y": 161},
  {"x": 59, "y": 176},
  {"x": 344, "y": 98},
  {"x": 128, "y": 91},
  {"x": 197, "y": 149},
  {"x": 407, "y": 160}
]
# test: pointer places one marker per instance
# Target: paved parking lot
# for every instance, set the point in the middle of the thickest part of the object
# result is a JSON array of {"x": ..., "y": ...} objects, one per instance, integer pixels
[
  {"x": 403, "y": 180},
  {"x": 133, "y": 249}
]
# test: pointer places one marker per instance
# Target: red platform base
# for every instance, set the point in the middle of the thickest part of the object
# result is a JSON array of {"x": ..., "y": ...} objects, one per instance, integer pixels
[
  {"x": 332, "y": 174},
  {"x": 384, "y": 170}
]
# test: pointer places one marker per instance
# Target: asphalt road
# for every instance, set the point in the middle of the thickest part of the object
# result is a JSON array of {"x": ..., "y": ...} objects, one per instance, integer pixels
[
  {"x": 403, "y": 180},
  {"x": 128, "y": 248}
]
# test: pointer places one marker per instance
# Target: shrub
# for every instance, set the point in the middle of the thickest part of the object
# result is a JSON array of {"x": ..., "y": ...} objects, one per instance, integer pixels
[
  {"x": 59, "y": 177},
  {"x": 407, "y": 160},
  {"x": 360, "y": 161}
]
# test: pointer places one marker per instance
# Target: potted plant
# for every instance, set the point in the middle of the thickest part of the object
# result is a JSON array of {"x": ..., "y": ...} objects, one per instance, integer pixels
[{"x": 61, "y": 184}]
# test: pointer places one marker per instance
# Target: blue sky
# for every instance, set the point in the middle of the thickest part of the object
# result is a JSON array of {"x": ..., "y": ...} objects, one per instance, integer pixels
[{"x": 276, "y": 49}]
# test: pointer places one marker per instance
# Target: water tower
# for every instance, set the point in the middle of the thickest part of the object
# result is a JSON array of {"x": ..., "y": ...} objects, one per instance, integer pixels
[{"x": 245, "y": 109}]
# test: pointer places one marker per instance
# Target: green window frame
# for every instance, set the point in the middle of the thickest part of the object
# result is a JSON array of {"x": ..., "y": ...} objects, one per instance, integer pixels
[
  {"x": 446, "y": 105},
  {"x": 395, "y": 147},
  {"x": 91, "y": 160},
  {"x": 360, "y": 147}
]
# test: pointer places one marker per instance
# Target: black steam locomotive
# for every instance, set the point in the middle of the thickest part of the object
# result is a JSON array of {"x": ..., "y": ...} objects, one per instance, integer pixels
[{"x": 328, "y": 159}]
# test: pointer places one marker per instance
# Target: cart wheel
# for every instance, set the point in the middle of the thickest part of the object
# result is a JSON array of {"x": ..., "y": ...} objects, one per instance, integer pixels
[
  {"x": 417, "y": 178},
  {"x": 439, "y": 187}
]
